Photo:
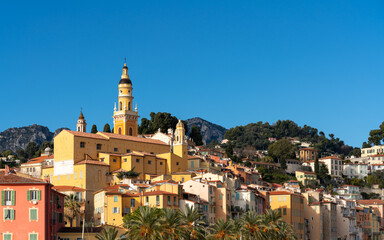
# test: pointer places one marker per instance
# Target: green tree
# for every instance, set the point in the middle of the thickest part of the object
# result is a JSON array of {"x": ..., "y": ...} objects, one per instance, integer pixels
[
  {"x": 282, "y": 150},
  {"x": 317, "y": 166},
  {"x": 143, "y": 223},
  {"x": 31, "y": 149},
  {"x": 366, "y": 145},
  {"x": 192, "y": 225},
  {"x": 160, "y": 120},
  {"x": 107, "y": 233},
  {"x": 6, "y": 153},
  {"x": 224, "y": 230},
  {"x": 171, "y": 222},
  {"x": 107, "y": 128},
  {"x": 229, "y": 150},
  {"x": 94, "y": 129},
  {"x": 71, "y": 208},
  {"x": 355, "y": 152},
  {"x": 128, "y": 174},
  {"x": 195, "y": 135}
]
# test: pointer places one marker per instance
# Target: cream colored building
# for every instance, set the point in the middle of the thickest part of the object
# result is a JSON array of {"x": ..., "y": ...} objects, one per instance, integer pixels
[{"x": 375, "y": 150}]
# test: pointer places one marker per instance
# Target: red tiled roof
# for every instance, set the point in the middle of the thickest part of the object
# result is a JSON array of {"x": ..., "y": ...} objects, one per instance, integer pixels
[
  {"x": 306, "y": 172},
  {"x": 151, "y": 193},
  {"x": 113, "y": 187},
  {"x": 131, "y": 138},
  {"x": 310, "y": 149},
  {"x": 12, "y": 178},
  {"x": 164, "y": 181},
  {"x": 377, "y": 155},
  {"x": 38, "y": 159},
  {"x": 141, "y": 185},
  {"x": 93, "y": 162},
  {"x": 87, "y": 135},
  {"x": 283, "y": 193},
  {"x": 68, "y": 188},
  {"x": 371, "y": 202}
]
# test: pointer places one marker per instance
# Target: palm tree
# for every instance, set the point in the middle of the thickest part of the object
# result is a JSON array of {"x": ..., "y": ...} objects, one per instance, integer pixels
[
  {"x": 192, "y": 224},
  {"x": 144, "y": 223},
  {"x": 170, "y": 223},
  {"x": 251, "y": 226},
  {"x": 71, "y": 208},
  {"x": 224, "y": 230},
  {"x": 109, "y": 233},
  {"x": 273, "y": 227}
]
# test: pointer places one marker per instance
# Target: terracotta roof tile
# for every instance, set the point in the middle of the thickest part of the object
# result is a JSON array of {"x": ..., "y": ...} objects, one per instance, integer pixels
[
  {"x": 371, "y": 202},
  {"x": 38, "y": 159},
  {"x": 306, "y": 172},
  {"x": 12, "y": 178},
  {"x": 330, "y": 157},
  {"x": 87, "y": 135},
  {"x": 310, "y": 149},
  {"x": 131, "y": 138}
]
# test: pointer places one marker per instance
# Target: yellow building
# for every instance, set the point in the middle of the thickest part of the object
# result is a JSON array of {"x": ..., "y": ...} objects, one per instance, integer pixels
[
  {"x": 90, "y": 233},
  {"x": 92, "y": 161},
  {"x": 305, "y": 177},
  {"x": 308, "y": 154},
  {"x": 291, "y": 208}
]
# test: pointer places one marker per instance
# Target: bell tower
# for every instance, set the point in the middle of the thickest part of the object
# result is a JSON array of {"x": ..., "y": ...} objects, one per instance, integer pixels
[
  {"x": 81, "y": 125},
  {"x": 124, "y": 116},
  {"x": 180, "y": 142}
]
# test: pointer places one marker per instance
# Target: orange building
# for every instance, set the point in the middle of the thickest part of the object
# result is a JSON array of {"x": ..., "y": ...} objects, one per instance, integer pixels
[{"x": 30, "y": 209}]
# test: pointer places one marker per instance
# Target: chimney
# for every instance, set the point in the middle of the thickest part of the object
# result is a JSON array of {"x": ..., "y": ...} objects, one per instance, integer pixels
[{"x": 6, "y": 169}]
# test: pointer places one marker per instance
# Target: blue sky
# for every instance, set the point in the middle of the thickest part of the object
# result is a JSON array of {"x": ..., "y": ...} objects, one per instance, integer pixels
[{"x": 318, "y": 63}]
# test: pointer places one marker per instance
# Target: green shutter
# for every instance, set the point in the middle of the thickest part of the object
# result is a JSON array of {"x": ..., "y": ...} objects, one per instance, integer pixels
[
  {"x": 3, "y": 198},
  {"x": 12, "y": 214},
  {"x": 7, "y": 237},
  {"x": 29, "y": 195},
  {"x": 38, "y": 195},
  {"x": 13, "y": 198},
  {"x": 33, "y": 214}
]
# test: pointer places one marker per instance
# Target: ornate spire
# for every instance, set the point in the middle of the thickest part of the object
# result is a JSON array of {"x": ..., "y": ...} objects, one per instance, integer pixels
[
  {"x": 125, "y": 72},
  {"x": 81, "y": 115}
]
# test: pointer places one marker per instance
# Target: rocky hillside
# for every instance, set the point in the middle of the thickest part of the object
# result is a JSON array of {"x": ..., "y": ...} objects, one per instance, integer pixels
[
  {"x": 209, "y": 131},
  {"x": 16, "y": 138}
]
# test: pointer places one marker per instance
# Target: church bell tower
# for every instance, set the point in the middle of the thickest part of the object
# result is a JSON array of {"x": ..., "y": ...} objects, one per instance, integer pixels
[{"x": 124, "y": 116}]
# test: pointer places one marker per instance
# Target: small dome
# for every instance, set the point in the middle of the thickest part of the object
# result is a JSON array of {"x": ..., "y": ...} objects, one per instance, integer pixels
[
  {"x": 48, "y": 149},
  {"x": 81, "y": 116},
  {"x": 180, "y": 124},
  {"x": 125, "y": 81}
]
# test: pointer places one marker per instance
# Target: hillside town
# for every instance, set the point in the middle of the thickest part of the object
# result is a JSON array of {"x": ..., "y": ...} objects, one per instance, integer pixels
[{"x": 90, "y": 182}]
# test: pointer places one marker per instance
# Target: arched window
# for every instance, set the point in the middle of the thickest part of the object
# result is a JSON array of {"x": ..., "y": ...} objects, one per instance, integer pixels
[
  {"x": 130, "y": 131},
  {"x": 119, "y": 130},
  {"x": 121, "y": 106},
  {"x": 129, "y": 106}
]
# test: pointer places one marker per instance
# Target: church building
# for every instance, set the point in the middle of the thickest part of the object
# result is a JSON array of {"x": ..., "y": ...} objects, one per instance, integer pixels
[{"x": 92, "y": 161}]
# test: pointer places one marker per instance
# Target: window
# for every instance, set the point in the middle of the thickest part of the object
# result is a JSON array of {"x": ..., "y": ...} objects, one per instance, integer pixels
[
  {"x": 149, "y": 162},
  {"x": 125, "y": 160},
  {"x": 115, "y": 210},
  {"x": 127, "y": 210},
  {"x": 137, "y": 160},
  {"x": 8, "y": 198},
  {"x": 114, "y": 160},
  {"x": 174, "y": 201},
  {"x": 192, "y": 164},
  {"x": 7, "y": 236},
  {"x": 115, "y": 198},
  {"x": 177, "y": 163},
  {"x": 81, "y": 174},
  {"x": 130, "y": 132},
  {"x": 9, "y": 214},
  {"x": 132, "y": 202},
  {"x": 116, "y": 149},
  {"x": 157, "y": 200},
  {"x": 33, "y": 214},
  {"x": 75, "y": 174},
  {"x": 128, "y": 151},
  {"x": 221, "y": 196},
  {"x": 98, "y": 146},
  {"x": 161, "y": 163},
  {"x": 284, "y": 211},
  {"x": 33, "y": 236},
  {"x": 82, "y": 144},
  {"x": 169, "y": 200},
  {"x": 33, "y": 195}
]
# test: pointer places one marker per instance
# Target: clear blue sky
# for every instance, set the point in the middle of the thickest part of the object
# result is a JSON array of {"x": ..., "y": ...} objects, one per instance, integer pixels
[{"x": 319, "y": 63}]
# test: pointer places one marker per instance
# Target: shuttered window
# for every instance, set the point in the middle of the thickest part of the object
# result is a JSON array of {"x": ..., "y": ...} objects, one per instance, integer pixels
[
  {"x": 8, "y": 214},
  {"x": 7, "y": 236},
  {"x": 33, "y": 214},
  {"x": 8, "y": 198},
  {"x": 33, "y": 195}
]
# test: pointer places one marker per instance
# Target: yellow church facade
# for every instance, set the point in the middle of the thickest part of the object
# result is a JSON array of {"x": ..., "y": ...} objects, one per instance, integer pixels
[{"x": 90, "y": 160}]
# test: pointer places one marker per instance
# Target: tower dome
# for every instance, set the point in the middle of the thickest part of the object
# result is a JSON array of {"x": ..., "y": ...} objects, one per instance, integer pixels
[{"x": 125, "y": 77}]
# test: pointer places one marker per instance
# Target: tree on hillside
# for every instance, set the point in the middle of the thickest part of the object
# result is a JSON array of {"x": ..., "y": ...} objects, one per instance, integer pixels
[
  {"x": 356, "y": 152},
  {"x": 94, "y": 129},
  {"x": 229, "y": 150},
  {"x": 366, "y": 145},
  {"x": 376, "y": 136},
  {"x": 160, "y": 120},
  {"x": 107, "y": 128},
  {"x": 282, "y": 150},
  {"x": 31, "y": 150},
  {"x": 323, "y": 174},
  {"x": 6, "y": 153},
  {"x": 196, "y": 135},
  {"x": 317, "y": 166}
]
